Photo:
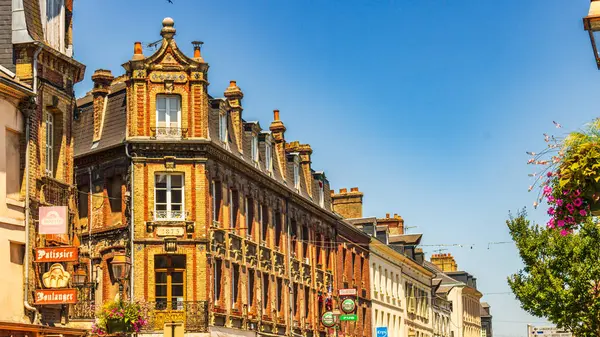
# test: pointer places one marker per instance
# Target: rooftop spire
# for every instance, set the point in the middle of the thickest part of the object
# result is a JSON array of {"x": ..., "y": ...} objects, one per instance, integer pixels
[{"x": 168, "y": 31}]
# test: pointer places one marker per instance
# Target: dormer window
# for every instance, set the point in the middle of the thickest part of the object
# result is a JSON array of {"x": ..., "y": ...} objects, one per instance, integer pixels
[
  {"x": 223, "y": 127},
  {"x": 168, "y": 115},
  {"x": 296, "y": 172},
  {"x": 53, "y": 22},
  {"x": 268, "y": 155},
  {"x": 254, "y": 148}
]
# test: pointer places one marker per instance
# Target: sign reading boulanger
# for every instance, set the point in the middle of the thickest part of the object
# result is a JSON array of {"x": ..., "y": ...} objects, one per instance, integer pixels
[{"x": 55, "y": 296}]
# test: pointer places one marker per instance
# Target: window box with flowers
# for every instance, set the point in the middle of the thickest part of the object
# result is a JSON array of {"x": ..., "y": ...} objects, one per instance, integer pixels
[
  {"x": 569, "y": 179},
  {"x": 119, "y": 317}
]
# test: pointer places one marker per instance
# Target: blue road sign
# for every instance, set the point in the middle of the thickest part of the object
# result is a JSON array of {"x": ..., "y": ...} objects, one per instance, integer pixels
[{"x": 382, "y": 331}]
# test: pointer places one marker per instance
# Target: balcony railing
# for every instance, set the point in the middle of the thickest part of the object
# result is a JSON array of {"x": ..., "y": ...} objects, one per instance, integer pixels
[
  {"x": 83, "y": 310},
  {"x": 193, "y": 314},
  {"x": 168, "y": 132}
]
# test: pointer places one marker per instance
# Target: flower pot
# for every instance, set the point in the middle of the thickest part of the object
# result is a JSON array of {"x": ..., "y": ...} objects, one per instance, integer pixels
[{"x": 117, "y": 325}]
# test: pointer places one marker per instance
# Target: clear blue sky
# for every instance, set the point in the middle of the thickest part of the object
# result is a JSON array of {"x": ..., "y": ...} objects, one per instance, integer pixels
[{"x": 427, "y": 105}]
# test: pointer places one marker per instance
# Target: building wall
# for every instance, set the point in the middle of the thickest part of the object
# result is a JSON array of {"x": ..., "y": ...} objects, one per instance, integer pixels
[{"x": 387, "y": 291}]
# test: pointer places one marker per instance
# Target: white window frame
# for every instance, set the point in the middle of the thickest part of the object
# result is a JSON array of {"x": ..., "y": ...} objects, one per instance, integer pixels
[
  {"x": 223, "y": 137},
  {"x": 321, "y": 194},
  {"x": 254, "y": 148},
  {"x": 54, "y": 29},
  {"x": 297, "y": 172},
  {"x": 168, "y": 99},
  {"x": 49, "y": 144},
  {"x": 268, "y": 155},
  {"x": 170, "y": 215}
]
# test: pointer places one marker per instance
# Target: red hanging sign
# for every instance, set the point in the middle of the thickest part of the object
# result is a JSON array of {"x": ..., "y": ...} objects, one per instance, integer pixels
[
  {"x": 55, "y": 296},
  {"x": 56, "y": 254}
]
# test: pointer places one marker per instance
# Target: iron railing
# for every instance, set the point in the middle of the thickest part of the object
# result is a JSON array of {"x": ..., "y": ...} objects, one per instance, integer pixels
[{"x": 193, "y": 314}]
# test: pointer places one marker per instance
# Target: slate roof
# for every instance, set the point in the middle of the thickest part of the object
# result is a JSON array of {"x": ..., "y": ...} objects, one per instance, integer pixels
[
  {"x": 409, "y": 239},
  {"x": 33, "y": 19},
  {"x": 115, "y": 122}
]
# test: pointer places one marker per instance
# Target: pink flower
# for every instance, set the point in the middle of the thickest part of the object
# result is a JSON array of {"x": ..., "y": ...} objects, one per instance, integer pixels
[
  {"x": 551, "y": 211},
  {"x": 551, "y": 199},
  {"x": 549, "y": 174},
  {"x": 564, "y": 232},
  {"x": 560, "y": 223},
  {"x": 559, "y": 202},
  {"x": 547, "y": 190},
  {"x": 582, "y": 212},
  {"x": 577, "y": 193},
  {"x": 578, "y": 202},
  {"x": 570, "y": 208}
]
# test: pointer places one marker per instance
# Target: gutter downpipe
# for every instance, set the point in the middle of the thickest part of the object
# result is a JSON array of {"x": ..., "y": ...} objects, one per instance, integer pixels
[
  {"x": 26, "y": 303},
  {"x": 132, "y": 194},
  {"x": 90, "y": 223}
]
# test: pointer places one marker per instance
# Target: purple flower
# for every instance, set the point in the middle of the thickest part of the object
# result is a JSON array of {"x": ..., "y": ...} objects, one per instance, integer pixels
[
  {"x": 582, "y": 212},
  {"x": 570, "y": 208},
  {"x": 559, "y": 202},
  {"x": 577, "y": 193},
  {"x": 551, "y": 199},
  {"x": 547, "y": 190},
  {"x": 578, "y": 202},
  {"x": 551, "y": 211},
  {"x": 564, "y": 232},
  {"x": 560, "y": 223}
]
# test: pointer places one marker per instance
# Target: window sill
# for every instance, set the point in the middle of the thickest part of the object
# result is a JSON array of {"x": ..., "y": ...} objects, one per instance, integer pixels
[{"x": 14, "y": 202}]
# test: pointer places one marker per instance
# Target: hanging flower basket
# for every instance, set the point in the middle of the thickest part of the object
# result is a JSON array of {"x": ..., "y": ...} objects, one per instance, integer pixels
[
  {"x": 570, "y": 177},
  {"x": 119, "y": 317}
]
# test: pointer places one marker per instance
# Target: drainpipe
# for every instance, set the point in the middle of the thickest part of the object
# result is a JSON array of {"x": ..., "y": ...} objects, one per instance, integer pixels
[
  {"x": 90, "y": 223},
  {"x": 26, "y": 303},
  {"x": 132, "y": 194}
]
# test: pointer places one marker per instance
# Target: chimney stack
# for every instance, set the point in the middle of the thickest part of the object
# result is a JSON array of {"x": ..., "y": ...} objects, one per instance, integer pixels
[
  {"x": 445, "y": 262},
  {"x": 278, "y": 132},
  {"x": 102, "y": 80},
  {"x": 348, "y": 204},
  {"x": 395, "y": 224},
  {"x": 197, "y": 50},
  {"x": 234, "y": 96}
]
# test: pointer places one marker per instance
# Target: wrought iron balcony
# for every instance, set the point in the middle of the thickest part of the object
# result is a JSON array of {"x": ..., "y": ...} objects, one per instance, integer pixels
[
  {"x": 83, "y": 310},
  {"x": 193, "y": 314},
  {"x": 169, "y": 132}
]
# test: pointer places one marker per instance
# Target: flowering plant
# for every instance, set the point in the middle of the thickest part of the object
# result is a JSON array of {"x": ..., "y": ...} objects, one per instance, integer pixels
[
  {"x": 570, "y": 178},
  {"x": 119, "y": 316}
]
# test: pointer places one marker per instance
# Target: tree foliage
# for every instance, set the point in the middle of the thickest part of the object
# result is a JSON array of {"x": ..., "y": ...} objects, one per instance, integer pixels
[{"x": 561, "y": 277}]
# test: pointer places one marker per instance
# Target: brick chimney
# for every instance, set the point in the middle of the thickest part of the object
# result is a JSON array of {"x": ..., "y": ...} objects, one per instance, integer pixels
[
  {"x": 445, "y": 262},
  {"x": 102, "y": 79},
  {"x": 347, "y": 204},
  {"x": 234, "y": 96},
  {"x": 277, "y": 131},
  {"x": 305, "y": 151},
  {"x": 395, "y": 224}
]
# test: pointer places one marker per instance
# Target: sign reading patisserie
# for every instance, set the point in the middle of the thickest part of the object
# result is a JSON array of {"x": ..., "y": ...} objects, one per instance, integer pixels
[
  {"x": 55, "y": 296},
  {"x": 56, "y": 254}
]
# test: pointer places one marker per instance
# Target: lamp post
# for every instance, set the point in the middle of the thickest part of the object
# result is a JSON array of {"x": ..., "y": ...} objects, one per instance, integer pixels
[
  {"x": 591, "y": 23},
  {"x": 121, "y": 266},
  {"x": 79, "y": 277}
]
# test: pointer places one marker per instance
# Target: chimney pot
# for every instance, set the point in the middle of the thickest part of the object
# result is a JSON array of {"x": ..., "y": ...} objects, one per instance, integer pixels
[
  {"x": 387, "y": 215},
  {"x": 343, "y": 190},
  {"x": 232, "y": 84},
  {"x": 137, "y": 48},
  {"x": 354, "y": 189},
  {"x": 276, "y": 114}
]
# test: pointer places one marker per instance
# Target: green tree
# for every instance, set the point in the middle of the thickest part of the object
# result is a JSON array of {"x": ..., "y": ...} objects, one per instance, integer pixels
[{"x": 561, "y": 277}]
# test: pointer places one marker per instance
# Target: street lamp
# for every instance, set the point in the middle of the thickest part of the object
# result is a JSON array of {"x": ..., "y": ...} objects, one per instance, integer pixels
[
  {"x": 79, "y": 277},
  {"x": 591, "y": 23},
  {"x": 121, "y": 266}
]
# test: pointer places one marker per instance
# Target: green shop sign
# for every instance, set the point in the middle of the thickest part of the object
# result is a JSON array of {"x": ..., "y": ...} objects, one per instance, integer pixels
[
  {"x": 328, "y": 319},
  {"x": 348, "y": 305},
  {"x": 352, "y": 317}
]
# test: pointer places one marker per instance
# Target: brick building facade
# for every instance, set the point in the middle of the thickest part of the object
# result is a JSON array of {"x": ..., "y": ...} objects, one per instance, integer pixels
[{"x": 228, "y": 227}]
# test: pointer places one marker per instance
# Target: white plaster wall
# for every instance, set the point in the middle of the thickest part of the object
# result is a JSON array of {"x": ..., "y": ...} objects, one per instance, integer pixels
[{"x": 388, "y": 302}]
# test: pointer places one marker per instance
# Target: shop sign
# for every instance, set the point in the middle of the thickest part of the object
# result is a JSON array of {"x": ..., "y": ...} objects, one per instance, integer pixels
[
  {"x": 348, "y": 292},
  {"x": 348, "y": 305},
  {"x": 328, "y": 319},
  {"x": 352, "y": 317},
  {"x": 56, "y": 254},
  {"x": 55, "y": 296},
  {"x": 53, "y": 220}
]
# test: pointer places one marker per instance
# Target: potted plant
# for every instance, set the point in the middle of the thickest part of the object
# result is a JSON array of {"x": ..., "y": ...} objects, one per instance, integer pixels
[
  {"x": 119, "y": 317},
  {"x": 569, "y": 180}
]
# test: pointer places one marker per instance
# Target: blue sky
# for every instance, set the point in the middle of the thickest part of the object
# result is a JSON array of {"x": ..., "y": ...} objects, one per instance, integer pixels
[{"x": 428, "y": 106}]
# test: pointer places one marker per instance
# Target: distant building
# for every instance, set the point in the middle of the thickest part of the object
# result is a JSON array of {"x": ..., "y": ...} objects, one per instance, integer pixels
[{"x": 486, "y": 320}]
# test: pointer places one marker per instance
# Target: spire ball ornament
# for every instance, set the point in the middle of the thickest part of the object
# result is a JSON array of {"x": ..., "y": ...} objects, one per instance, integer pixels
[{"x": 168, "y": 30}]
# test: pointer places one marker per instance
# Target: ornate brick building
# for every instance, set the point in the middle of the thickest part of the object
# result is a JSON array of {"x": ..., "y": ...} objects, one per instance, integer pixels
[{"x": 228, "y": 227}]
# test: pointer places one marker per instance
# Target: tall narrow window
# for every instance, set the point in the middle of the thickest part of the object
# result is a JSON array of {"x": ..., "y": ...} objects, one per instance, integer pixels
[
  {"x": 321, "y": 195},
  {"x": 264, "y": 215},
  {"x": 54, "y": 23},
  {"x": 251, "y": 275},
  {"x": 279, "y": 294},
  {"x": 168, "y": 196},
  {"x": 234, "y": 206},
  {"x": 223, "y": 127},
  {"x": 278, "y": 228},
  {"x": 168, "y": 115},
  {"x": 307, "y": 302},
  {"x": 169, "y": 271},
  {"x": 216, "y": 200},
  {"x": 217, "y": 279},
  {"x": 295, "y": 301},
  {"x": 49, "y": 144},
  {"x": 268, "y": 155},
  {"x": 235, "y": 280},
  {"x": 305, "y": 240},
  {"x": 296, "y": 172},
  {"x": 249, "y": 207},
  {"x": 254, "y": 148},
  {"x": 265, "y": 290}
]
